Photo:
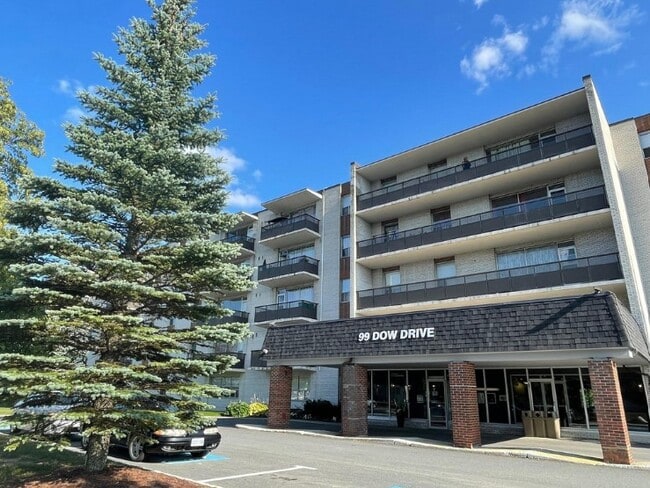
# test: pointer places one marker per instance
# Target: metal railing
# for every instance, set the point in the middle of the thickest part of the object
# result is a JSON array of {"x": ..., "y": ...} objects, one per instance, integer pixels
[
  {"x": 304, "y": 264},
  {"x": 286, "y": 310},
  {"x": 258, "y": 359},
  {"x": 533, "y": 211},
  {"x": 236, "y": 316},
  {"x": 291, "y": 224},
  {"x": 583, "y": 270},
  {"x": 469, "y": 170},
  {"x": 241, "y": 358},
  {"x": 245, "y": 241}
]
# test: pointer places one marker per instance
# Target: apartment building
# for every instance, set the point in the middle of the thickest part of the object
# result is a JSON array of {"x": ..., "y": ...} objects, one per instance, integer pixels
[
  {"x": 496, "y": 273},
  {"x": 298, "y": 248}
]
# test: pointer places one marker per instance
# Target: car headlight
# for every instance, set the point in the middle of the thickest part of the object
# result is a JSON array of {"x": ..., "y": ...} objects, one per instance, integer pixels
[
  {"x": 170, "y": 433},
  {"x": 210, "y": 430}
]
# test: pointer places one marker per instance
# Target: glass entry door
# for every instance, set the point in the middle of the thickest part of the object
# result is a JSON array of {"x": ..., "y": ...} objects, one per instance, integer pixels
[
  {"x": 543, "y": 396},
  {"x": 437, "y": 402}
]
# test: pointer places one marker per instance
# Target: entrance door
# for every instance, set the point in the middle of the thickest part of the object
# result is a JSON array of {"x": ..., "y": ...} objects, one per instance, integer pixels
[
  {"x": 437, "y": 403},
  {"x": 543, "y": 396}
]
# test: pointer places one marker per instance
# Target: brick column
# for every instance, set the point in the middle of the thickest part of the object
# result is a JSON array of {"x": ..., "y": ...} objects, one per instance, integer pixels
[
  {"x": 279, "y": 397},
  {"x": 612, "y": 427},
  {"x": 354, "y": 400},
  {"x": 465, "y": 424}
]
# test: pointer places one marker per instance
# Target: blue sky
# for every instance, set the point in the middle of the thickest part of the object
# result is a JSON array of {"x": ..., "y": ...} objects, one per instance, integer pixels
[{"x": 306, "y": 87}]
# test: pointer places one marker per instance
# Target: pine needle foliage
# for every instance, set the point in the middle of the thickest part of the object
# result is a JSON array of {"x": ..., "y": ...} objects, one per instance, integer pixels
[{"x": 117, "y": 249}]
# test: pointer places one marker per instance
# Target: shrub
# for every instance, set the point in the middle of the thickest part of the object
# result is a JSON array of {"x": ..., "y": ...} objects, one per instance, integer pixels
[
  {"x": 258, "y": 409},
  {"x": 321, "y": 410},
  {"x": 237, "y": 409}
]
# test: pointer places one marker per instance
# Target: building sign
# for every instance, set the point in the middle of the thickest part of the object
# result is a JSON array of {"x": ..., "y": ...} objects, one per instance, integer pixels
[{"x": 397, "y": 334}]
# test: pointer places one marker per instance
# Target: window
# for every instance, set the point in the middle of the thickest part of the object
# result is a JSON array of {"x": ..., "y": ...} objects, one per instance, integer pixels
[
  {"x": 536, "y": 255},
  {"x": 392, "y": 276},
  {"x": 520, "y": 145},
  {"x": 345, "y": 246},
  {"x": 345, "y": 204},
  {"x": 445, "y": 268},
  {"x": 299, "y": 387},
  {"x": 236, "y": 304},
  {"x": 528, "y": 199},
  {"x": 227, "y": 382},
  {"x": 295, "y": 294},
  {"x": 440, "y": 217},
  {"x": 296, "y": 252},
  {"x": 311, "y": 210},
  {"x": 345, "y": 290},
  {"x": 384, "y": 182},
  {"x": 437, "y": 166},
  {"x": 390, "y": 228},
  {"x": 644, "y": 139}
]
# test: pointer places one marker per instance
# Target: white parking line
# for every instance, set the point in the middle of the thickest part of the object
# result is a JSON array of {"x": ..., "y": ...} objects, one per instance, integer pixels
[{"x": 259, "y": 473}]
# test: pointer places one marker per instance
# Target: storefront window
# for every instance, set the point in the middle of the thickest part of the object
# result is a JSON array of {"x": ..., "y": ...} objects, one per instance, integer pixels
[{"x": 379, "y": 401}]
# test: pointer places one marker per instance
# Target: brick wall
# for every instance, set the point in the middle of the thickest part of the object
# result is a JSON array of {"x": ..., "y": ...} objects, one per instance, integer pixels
[
  {"x": 612, "y": 427},
  {"x": 466, "y": 428},
  {"x": 642, "y": 123},
  {"x": 354, "y": 400},
  {"x": 279, "y": 397}
]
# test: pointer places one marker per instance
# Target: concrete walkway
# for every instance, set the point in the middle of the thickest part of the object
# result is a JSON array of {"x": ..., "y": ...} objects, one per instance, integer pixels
[{"x": 584, "y": 451}]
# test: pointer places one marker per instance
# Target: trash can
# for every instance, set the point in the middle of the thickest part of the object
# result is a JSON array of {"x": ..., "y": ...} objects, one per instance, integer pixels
[
  {"x": 527, "y": 420},
  {"x": 539, "y": 425},
  {"x": 552, "y": 424}
]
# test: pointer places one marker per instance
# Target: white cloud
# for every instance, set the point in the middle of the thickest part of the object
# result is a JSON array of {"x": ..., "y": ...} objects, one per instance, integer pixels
[
  {"x": 492, "y": 59},
  {"x": 73, "y": 115},
  {"x": 231, "y": 162},
  {"x": 68, "y": 87},
  {"x": 479, "y": 3},
  {"x": 239, "y": 199},
  {"x": 599, "y": 25}
]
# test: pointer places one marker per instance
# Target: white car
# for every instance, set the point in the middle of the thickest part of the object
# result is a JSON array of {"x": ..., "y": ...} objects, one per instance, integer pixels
[{"x": 44, "y": 413}]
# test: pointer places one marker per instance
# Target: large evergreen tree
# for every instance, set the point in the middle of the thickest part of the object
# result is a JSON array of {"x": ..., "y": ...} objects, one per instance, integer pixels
[{"x": 120, "y": 243}]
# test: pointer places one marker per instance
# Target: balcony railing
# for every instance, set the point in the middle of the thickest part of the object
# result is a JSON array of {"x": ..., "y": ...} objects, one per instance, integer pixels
[
  {"x": 237, "y": 316},
  {"x": 469, "y": 170},
  {"x": 533, "y": 211},
  {"x": 258, "y": 359},
  {"x": 241, "y": 357},
  {"x": 584, "y": 270},
  {"x": 286, "y": 310},
  {"x": 300, "y": 264},
  {"x": 291, "y": 224},
  {"x": 245, "y": 241}
]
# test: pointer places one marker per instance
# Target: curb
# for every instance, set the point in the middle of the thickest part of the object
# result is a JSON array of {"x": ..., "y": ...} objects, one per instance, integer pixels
[{"x": 513, "y": 452}]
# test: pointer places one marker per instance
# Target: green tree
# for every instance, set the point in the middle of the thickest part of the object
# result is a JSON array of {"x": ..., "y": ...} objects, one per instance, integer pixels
[
  {"x": 121, "y": 254},
  {"x": 19, "y": 138}
]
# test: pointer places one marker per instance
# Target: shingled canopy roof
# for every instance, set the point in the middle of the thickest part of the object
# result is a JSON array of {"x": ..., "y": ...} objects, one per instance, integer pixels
[{"x": 568, "y": 329}]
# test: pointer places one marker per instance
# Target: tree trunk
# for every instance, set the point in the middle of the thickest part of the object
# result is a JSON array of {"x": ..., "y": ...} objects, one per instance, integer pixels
[{"x": 97, "y": 453}]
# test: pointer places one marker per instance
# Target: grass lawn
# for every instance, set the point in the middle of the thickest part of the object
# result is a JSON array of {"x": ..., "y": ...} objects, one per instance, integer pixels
[{"x": 27, "y": 462}]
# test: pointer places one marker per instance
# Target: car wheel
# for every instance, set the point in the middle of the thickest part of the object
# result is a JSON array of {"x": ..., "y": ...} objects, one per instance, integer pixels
[
  {"x": 200, "y": 454},
  {"x": 136, "y": 448}
]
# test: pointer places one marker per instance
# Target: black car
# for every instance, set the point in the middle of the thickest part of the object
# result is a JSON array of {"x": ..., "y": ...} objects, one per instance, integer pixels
[
  {"x": 162, "y": 440},
  {"x": 170, "y": 441}
]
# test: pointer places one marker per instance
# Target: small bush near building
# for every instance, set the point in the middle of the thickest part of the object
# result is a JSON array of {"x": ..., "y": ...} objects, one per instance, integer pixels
[
  {"x": 321, "y": 410},
  {"x": 258, "y": 409},
  {"x": 237, "y": 409}
]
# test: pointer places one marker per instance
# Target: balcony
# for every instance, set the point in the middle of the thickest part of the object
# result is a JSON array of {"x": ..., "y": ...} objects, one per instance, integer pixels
[
  {"x": 533, "y": 211},
  {"x": 290, "y": 231},
  {"x": 288, "y": 312},
  {"x": 562, "y": 143},
  {"x": 236, "y": 317},
  {"x": 247, "y": 245},
  {"x": 289, "y": 272},
  {"x": 591, "y": 270},
  {"x": 241, "y": 358},
  {"x": 258, "y": 359}
]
